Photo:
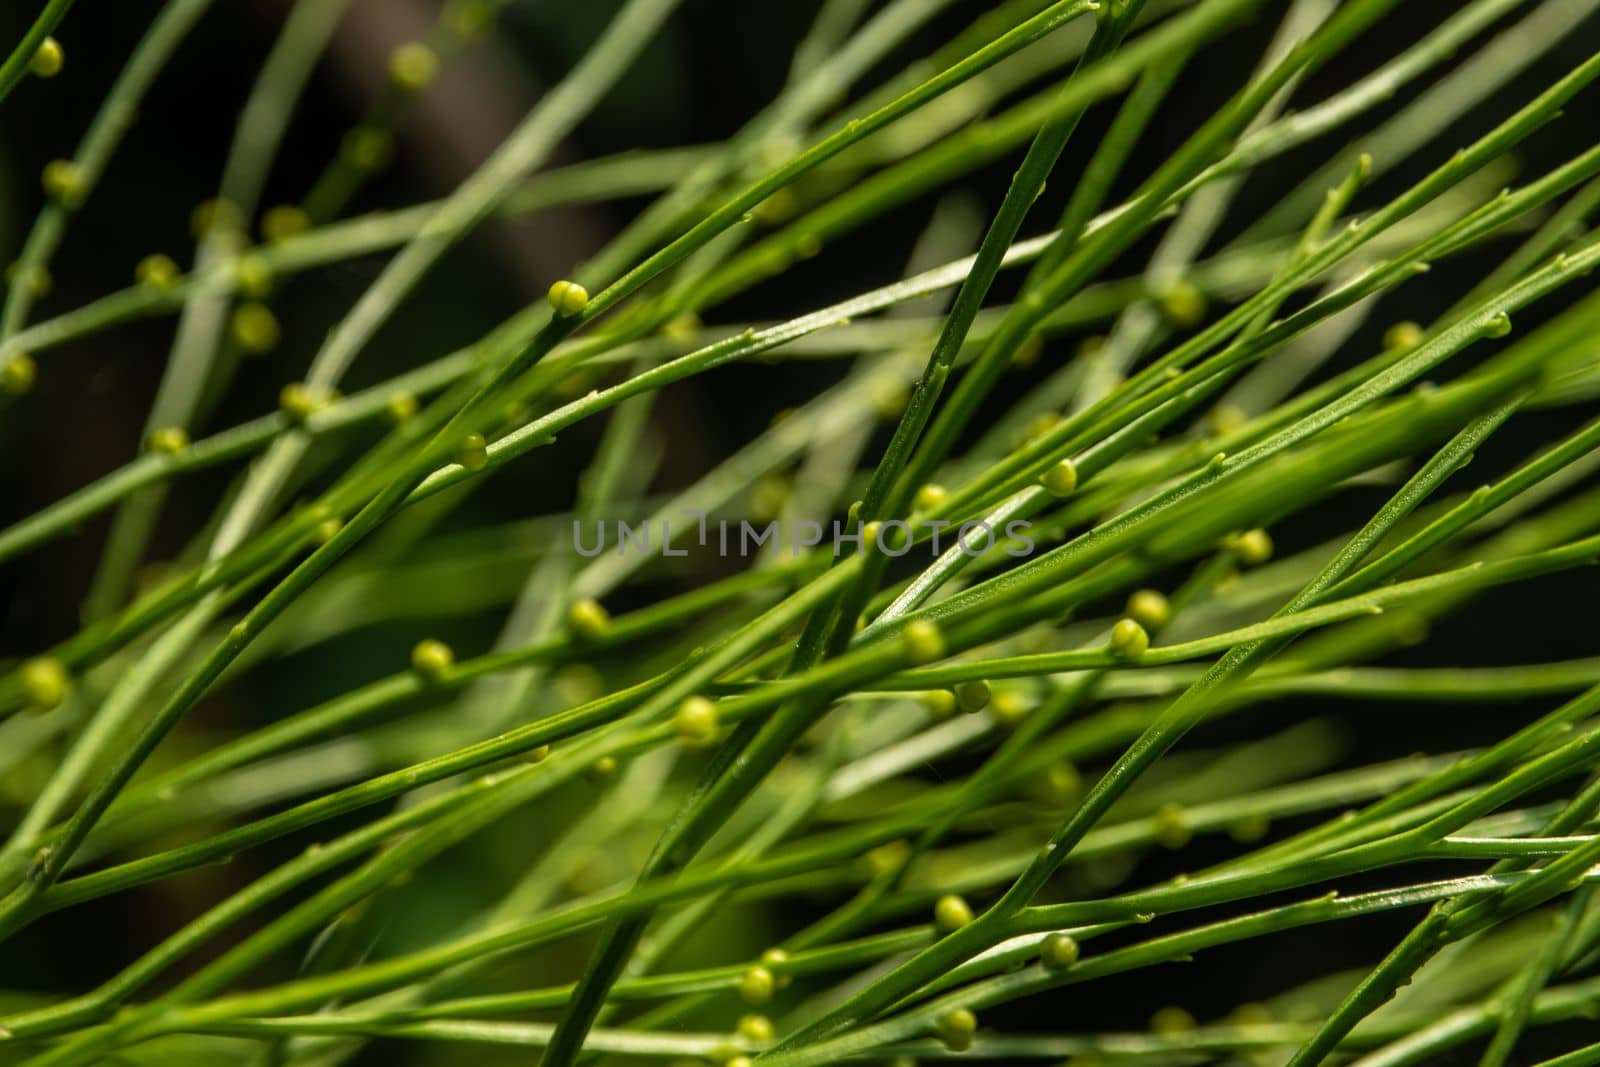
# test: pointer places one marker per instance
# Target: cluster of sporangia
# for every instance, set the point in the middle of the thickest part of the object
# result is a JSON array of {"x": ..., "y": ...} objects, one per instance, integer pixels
[
  {"x": 45, "y": 683},
  {"x": 252, "y": 325},
  {"x": 254, "y": 328},
  {"x": 18, "y": 371},
  {"x": 697, "y": 725}
]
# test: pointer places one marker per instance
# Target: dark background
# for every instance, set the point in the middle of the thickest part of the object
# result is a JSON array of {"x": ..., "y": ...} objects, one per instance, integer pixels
[{"x": 712, "y": 68}]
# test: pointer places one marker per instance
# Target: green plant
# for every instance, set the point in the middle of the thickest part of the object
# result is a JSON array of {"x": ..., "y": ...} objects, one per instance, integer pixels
[{"x": 900, "y": 794}]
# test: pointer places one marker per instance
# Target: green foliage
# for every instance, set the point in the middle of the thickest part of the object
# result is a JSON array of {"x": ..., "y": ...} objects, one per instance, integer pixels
[{"x": 668, "y": 788}]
